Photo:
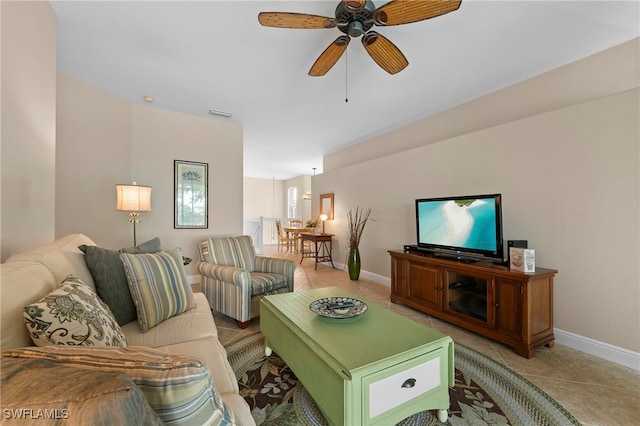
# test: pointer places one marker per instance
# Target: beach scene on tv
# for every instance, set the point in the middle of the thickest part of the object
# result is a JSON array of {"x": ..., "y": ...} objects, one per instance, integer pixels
[{"x": 467, "y": 223}]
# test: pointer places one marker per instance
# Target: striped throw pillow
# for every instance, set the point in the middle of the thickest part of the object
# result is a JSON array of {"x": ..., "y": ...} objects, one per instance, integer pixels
[
  {"x": 158, "y": 286},
  {"x": 54, "y": 394},
  {"x": 179, "y": 388}
]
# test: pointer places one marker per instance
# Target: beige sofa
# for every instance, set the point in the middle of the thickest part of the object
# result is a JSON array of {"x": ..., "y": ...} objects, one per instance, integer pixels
[{"x": 26, "y": 277}]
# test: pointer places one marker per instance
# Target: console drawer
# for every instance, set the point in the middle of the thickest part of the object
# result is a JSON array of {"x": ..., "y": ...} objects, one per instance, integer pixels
[{"x": 404, "y": 382}]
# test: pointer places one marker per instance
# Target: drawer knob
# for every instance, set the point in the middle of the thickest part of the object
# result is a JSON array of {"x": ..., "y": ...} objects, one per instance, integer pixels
[{"x": 409, "y": 383}]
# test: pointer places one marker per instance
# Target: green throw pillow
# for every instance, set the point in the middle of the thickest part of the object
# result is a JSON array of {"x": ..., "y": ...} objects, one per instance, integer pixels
[
  {"x": 110, "y": 279},
  {"x": 158, "y": 286}
]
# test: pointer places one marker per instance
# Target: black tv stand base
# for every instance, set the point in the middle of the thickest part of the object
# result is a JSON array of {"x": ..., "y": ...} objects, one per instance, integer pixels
[
  {"x": 464, "y": 259},
  {"x": 453, "y": 256}
]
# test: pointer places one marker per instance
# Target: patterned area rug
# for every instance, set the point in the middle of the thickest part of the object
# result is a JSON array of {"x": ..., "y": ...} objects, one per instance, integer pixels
[{"x": 485, "y": 392}]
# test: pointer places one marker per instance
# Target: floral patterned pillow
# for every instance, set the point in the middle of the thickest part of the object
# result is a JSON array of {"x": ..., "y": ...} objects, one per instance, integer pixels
[{"x": 72, "y": 314}]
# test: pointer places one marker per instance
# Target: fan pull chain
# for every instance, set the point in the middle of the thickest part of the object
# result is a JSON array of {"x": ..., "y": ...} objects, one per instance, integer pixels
[{"x": 346, "y": 76}]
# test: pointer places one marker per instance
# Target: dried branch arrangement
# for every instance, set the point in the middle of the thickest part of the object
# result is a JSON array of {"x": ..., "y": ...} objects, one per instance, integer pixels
[{"x": 356, "y": 222}]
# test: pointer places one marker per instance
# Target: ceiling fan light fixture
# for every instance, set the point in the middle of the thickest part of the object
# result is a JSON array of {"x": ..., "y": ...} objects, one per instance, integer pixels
[
  {"x": 354, "y": 5},
  {"x": 369, "y": 38},
  {"x": 380, "y": 18},
  {"x": 356, "y": 29}
]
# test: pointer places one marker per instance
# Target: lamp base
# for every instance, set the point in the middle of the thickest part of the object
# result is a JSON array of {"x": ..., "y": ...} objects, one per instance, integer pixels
[{"x": 134, "y": 217}]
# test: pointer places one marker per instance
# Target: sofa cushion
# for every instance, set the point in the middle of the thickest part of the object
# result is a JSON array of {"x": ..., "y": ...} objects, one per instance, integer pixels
[
  {"x": 213, "y": 354},
  {"x": 62, "y": 257},
  {"x": 72, "y": 314},
  {"x": 241, "y": 410},
  {"x": 21, "y": 284},
  {"x": 158, "y": 286},
  {"x": 194, "y": 324},
  {"x": 179, "y": 388},
  {"x": 36, "y": 396},
  {"x": 264, "y": 282},
  {"x": 110, "y": 279}
]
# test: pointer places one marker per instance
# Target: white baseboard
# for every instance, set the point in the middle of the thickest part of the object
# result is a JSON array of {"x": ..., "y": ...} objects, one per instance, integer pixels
[
  {"x": 366, "y": 274},
  {"x": 600, "y": 349},
  {"x": 193, "y": 279},
  {"x": 376, "y": 278}
]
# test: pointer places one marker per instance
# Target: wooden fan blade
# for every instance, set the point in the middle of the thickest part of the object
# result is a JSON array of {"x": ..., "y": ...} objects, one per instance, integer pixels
[
  {"x": 295, "y": 20},
  {"x": 329, "y": 57},
  {"x": 398, "y": 12},
  {"x": 385, "y": 53}
]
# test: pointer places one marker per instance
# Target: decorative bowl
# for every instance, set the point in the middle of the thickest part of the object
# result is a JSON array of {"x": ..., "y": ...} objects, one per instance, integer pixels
[{"x": 338, "y": 307}]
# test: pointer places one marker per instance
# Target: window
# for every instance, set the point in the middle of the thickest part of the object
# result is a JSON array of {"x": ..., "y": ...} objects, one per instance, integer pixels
[{"x": 292, "y": 202}]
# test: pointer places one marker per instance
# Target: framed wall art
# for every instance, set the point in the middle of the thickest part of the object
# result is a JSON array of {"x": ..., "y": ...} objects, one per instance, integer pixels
[{"x": 191, "y": 195}]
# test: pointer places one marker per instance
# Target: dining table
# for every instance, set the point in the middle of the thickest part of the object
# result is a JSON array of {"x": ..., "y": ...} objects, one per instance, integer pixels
[{"x": 294, "y": 232}]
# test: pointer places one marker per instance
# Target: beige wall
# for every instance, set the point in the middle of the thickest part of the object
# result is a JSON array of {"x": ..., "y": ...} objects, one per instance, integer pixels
[
  {"x": 268, "y": 197},
  {"x": 570, "y": 182},
  {"x": 264, "y": 197},
  {"x": 59, "y": 173},
  {"x": 103, "y": 140},
  {"x": 591, "y": 78},
  {"x": 159, "y": 138},
  {"x": 303, "y": 185},
  {"x": 28, "y": 123},
  {"x": 93, "y": 154}
]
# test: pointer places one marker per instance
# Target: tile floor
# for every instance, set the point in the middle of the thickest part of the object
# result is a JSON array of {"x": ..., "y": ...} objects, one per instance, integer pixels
[{"x": 595, "y": 391}]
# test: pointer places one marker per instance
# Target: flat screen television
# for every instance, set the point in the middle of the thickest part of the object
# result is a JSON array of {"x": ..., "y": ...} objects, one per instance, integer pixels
[{"x": 467, "y": 227}]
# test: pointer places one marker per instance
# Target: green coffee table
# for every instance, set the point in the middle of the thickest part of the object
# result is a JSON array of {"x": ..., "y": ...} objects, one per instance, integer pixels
[{"x": 376, "y": 368}]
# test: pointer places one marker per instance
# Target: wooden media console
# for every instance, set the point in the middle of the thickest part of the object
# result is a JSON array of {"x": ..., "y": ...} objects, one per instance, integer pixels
[{"x": 508, "y": 306}]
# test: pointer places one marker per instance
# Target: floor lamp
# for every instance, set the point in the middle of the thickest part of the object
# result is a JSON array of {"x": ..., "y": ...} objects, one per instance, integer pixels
[{"x": 133, "y": 199}]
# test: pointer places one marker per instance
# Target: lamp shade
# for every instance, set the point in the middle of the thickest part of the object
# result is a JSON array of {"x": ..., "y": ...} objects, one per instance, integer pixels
[{"x": 133, "y": 198}]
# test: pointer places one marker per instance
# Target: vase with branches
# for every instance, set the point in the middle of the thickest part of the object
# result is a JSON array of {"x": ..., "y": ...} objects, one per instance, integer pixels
[{"x": 356, "y": 222}]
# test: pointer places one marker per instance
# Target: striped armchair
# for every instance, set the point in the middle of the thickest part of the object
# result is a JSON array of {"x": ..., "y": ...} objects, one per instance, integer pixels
[{"x": 234, "y": 279}]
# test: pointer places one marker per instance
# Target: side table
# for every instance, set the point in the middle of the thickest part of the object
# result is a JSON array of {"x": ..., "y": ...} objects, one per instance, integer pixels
[{"x": 322, "y": 245}]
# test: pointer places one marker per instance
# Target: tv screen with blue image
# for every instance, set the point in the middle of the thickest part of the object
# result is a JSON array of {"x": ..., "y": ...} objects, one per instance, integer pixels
[{"x": 469, "y": 224}]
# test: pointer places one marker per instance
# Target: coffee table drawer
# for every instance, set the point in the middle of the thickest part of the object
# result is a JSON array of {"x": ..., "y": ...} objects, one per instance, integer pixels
[{"x": 404, "y": 382}]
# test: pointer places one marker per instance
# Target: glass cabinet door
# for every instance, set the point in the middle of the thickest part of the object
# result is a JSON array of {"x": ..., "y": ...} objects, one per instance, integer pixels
[{"x": 466, "y": 295}]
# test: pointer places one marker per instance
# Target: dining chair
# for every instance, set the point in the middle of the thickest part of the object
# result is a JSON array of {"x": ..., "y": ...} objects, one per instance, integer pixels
[
  {"x": 296, "y": 223},
  {"x": 283, "y": 237}
]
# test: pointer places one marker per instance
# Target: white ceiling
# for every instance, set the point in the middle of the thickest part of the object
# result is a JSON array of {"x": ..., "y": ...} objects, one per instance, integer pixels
[{"x": 194, "y": 56}]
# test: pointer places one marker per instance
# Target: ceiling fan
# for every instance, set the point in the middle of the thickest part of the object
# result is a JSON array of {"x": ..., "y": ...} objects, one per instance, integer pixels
[{"x": 355, "y": 18}]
